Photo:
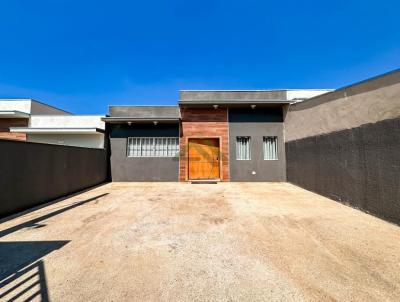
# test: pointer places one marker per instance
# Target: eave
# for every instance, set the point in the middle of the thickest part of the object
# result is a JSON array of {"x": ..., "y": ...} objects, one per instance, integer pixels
[
  {"x": 29, "y": 130},
  {"x": 13, "y": 114}
]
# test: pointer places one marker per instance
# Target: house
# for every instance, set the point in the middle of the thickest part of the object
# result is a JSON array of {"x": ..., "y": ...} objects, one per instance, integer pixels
[
  {"x": 218, "y": 135},
  {"x": 17, "y": 113},
  {"x": 34, "y": 121}
]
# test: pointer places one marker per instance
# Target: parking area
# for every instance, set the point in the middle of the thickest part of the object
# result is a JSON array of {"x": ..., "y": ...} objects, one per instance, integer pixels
[{"x": 200, "y": 242}]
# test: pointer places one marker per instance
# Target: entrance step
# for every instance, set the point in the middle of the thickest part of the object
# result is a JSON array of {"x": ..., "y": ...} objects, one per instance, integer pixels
[{"x": 203, "y": 182}]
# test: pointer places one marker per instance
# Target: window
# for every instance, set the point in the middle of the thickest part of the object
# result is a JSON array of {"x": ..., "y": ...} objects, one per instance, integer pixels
[
  {"x": 153, "y": 146},
  {"x": 243, "y": 148},
  {"x": 270, "y": 147}
]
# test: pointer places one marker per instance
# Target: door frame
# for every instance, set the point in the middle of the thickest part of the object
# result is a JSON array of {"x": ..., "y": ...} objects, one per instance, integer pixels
[{"x": 187, "y": 156}]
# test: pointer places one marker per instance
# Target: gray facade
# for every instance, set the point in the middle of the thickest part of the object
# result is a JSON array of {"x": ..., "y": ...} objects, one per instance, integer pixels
[
  {"x": 33, "y": 173},
  {"x": 256, "y": 123},
  {"x": 124, "y": 168}
]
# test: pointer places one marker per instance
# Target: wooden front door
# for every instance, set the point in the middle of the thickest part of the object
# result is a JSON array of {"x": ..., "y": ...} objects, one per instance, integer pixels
[{"x": 203, "y": 158}]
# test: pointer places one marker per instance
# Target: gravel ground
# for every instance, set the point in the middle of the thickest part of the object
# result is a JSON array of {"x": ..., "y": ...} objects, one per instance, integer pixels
[{"x": 208, "y": 242}]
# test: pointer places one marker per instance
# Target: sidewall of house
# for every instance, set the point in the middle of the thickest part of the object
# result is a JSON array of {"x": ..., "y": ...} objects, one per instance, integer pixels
[{"x": 345, "y": 145}]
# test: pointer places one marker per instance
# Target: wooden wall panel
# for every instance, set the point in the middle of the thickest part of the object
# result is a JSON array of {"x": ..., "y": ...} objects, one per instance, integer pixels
[{"x": 204, "y": 122}]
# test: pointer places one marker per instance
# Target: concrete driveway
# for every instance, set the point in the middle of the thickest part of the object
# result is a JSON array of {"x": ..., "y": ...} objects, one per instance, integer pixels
[{"x": 209, "y": 242}]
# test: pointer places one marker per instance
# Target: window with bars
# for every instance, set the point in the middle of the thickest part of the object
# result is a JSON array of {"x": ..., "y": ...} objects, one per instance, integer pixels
[
  {"x": 243, "y": 148},
  {"x": 270, "y": 147},
  {"x": 153, "y": 146}
]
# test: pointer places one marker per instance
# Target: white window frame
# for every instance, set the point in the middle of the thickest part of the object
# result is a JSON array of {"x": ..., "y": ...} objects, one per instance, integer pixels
[
  {"x": 153, "y": 151},
  {"x": 264, "y": 147},
  {"x": 237, "y": 147}
]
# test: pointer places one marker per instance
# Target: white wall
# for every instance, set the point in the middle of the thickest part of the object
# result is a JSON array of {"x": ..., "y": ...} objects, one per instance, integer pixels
[
  {"x": 18, "y": 105},
  {"x": 67, "y": 121},
  {"x": 82, "y": 140}
]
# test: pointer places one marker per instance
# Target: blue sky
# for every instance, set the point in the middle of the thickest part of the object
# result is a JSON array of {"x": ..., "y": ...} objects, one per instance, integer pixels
[{"x": 84, "y": 55}]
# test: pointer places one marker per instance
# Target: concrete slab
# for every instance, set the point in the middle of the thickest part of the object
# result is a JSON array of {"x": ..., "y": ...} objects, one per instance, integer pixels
[{"x": 207, "y": 242}]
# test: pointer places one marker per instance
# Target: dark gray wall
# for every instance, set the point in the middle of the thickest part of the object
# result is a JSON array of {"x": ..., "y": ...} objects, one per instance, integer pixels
[
  {"x": 359, "y": 167},
  {"x": 256, "y": 123},
  {"x": 125, "y": 168},
  {"x": 345, "y": 145},
  {"x": 33, "y": 173}
]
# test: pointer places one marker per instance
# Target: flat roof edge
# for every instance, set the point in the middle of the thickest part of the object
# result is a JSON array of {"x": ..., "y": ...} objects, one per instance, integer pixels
[
  {"x": 141, "y": 119},
  {"x": 344, "y": 88},
  {"x": 55, "y": 129},
  {"x": 234, "y": 102},
  {"x": 15, "y": 113},
  {"x": 143, "y": 105},
  {"x": 255, "y": 90}
]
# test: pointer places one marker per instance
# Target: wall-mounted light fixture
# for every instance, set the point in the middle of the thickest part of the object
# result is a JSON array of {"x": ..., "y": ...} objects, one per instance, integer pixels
[
  {"x": 129, "y": 123},
  {"x": 155, "y": 123},
  {"x": 215, "y": 106},
  {"x": 253, "y": 106}
]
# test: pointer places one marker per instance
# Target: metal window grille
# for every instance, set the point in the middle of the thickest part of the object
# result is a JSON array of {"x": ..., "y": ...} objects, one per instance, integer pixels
[
  {"x": 270, "y": 147},
  {"x": 153, "y": 146},
  {"x": 243, "y": 148}
]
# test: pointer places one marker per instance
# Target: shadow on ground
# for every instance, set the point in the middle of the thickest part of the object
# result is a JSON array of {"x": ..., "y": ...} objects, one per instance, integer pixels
[
  {"x": 22, "y": 274},
  {"x": 34, "y": 223}
]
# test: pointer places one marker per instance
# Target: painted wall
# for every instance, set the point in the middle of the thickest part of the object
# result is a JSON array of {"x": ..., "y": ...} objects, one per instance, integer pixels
[
  {"x": 345, "y": 145},
  {"x": 32, "y": 173},
  {"x": 23, "y": 105},
  {"x": 30, "y": 106},
  {"x": 66, "y": 121},
  {"x": 125, "y": 168},
  {"x": 256, "y": 123},
  {"x": 204, "y": 122},
  {"x": 95, "y": 140},
  {"x": 367, "y": 102},
  {"x": 145, "y": 111},
  {"x": 245, "y": 95},
  {"x": 217, "y": 95},
  {"x": 41, "y": 108}
]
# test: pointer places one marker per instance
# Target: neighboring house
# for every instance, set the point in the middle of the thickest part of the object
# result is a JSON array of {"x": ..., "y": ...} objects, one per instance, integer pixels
[
  {"x": 30, "y": 120},
  {"x": 17, "y": 113},
  {"x": 71, "y": 130},
  {"x": 212, "y": 135}
]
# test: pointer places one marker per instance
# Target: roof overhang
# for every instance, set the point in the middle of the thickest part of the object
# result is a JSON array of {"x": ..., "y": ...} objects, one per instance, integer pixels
[
  {"x": 13, "y": 114},
  {"x": 234, "y": 102},
  {"x": 56, "y": 130},
  {"x": 117, "y": 120}
]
